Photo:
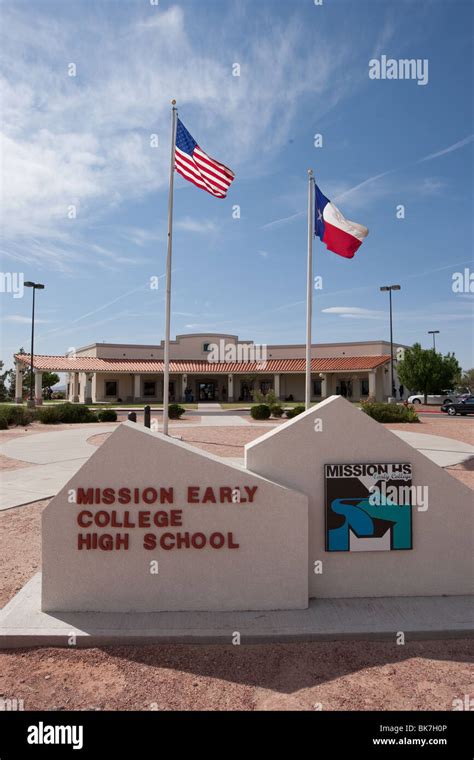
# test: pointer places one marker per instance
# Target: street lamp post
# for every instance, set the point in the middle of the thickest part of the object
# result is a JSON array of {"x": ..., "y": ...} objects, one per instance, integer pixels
[
  {"x": 35, "y": 286},
  {"x": 390, "y": 288},
  {"x": 433, "y": 333}
]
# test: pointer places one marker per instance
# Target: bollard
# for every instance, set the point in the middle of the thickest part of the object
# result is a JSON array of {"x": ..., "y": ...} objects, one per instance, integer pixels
[
  {"x": 147, "y": 416},
  {"x": 132, "y": 416}
]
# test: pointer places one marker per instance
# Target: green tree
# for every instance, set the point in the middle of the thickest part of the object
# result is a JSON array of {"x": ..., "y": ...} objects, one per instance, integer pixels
[
  {"x": 426, "y": 371},
  {"x": 47, "y": 381},
  {"x": 4, "y": 379},
  {"x": 450, "y": 374},
  {"x": 467, "y": 379}
]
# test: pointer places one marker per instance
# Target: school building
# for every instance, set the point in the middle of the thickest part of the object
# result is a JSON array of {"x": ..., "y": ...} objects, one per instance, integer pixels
[{"x": 216, "y": 367}]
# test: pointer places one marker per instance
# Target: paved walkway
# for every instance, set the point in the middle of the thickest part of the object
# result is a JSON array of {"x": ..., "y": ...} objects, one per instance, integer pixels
[
  {"x": 443, "y": 451},
  {"x": 56, "y": 456}
]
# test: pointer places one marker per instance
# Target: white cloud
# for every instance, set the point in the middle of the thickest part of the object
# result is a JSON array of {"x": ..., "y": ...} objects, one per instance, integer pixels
[
  {"x": 449, "y": 149},
  {"x": 85, "y": 140},
  {"x": 23, "y": 320},
  {"x": 284, "y": 220},
  {"x": 354, "y": 312},
  {"x": 431, "y": 186},
  {"x": 195, "y": 225}
]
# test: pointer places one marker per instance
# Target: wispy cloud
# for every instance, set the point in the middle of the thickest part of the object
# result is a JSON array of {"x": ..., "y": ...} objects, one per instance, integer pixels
[
  {"x": 354, "y": 312},
  {"x": 371, "y": 189},
  {"x": 195, "y": 225},
  {"x": 84, "y": 141},
  {"x": 283, "y": 220},
  {"x": 449, "y": 149},
  {"x": 23, "y": 320}
]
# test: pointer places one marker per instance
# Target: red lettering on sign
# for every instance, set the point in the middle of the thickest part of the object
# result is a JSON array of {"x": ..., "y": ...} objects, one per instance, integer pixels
[
  {"x": 124, "y": 496},
  {"x": 81, "y": 519},
  {"x": 164, "y": 541},
  {"x": 217, "y": 540},
  {"x": 149, "y": 541}
]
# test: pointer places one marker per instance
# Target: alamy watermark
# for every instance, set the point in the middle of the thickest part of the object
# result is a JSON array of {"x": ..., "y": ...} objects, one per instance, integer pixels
[
  {"x": 236, "y": 352},
  {"x": 12, "y": 282},
  {"x": 402, "y": 68}
]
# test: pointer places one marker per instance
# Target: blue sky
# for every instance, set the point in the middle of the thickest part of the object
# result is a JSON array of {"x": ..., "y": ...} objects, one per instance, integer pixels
[{"x": 85, "y": 141}]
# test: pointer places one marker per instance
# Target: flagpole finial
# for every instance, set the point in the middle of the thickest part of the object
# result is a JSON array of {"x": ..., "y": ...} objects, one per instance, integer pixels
[
  {"x": 310, "y": 172},
  {"x": 173, "y": 102}
]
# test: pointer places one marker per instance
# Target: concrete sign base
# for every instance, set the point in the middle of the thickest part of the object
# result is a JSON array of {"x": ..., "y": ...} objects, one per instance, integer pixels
[{"x": 23, "y": 624}]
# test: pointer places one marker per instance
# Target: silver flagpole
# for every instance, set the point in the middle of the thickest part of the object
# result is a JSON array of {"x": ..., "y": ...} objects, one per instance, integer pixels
[
  {"x": 166, "y": 372},
  {"x": 309, "y": 287}
]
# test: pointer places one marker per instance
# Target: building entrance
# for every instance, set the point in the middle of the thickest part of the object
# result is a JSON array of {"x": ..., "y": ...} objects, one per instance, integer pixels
[{"x": 207, "y": 391}]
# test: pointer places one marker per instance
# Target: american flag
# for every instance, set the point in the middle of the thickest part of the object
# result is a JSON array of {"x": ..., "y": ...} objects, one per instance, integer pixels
[{"x": 199, "y": 168}]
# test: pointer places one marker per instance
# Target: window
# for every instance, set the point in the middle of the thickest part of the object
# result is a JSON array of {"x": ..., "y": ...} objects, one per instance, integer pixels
[
  {"x": 364, "y": 387},
  {"x": 265, "y": 386},
  {"x": 317, "y": 387},
  {"x": 149, "y": 388},
  {"x": 206, "y": 347},
  {"x": 110, "y": 387}
]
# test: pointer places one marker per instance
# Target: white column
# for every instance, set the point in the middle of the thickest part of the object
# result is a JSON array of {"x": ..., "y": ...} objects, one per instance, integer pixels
[
  {"x": 276, "y": 385},
  {"x": 184, "y": 385},
  {"x": 230, "y": 387},
  {"x": 38, "y": 388},
  {"x": 87, "y": 388},
  {"x": 18, "y": 384},
  {"x": 324, "y": 386},
  {"x": 372, "y": 384},
  {"x": 137, "y": 387},
  {"x": 75, "y": 387}
]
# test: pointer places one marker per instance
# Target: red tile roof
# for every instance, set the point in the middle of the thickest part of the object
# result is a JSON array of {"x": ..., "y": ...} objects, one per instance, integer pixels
[{"x": 94, "y": 364}]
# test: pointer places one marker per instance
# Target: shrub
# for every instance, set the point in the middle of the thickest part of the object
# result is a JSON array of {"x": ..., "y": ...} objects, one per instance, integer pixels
[
  {"x": 107, "y": 415},
  {"x": 276, "y": 410},
  {"x": 175, "y": 411},
  {"x": 3, "y": 423},
  {"x": 389, "y": 412},
  {"x": 16, "y": 415},
  {"x": 290, "y": 413},
  {"x": 260, "y": 412},
  {"x": 267, "y": 398},
  {"x": 71, "y": 413}
]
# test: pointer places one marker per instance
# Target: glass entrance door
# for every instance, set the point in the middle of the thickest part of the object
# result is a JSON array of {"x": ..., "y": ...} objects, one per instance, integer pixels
[
  {"x": 344, "y": 388},
  {"x": 207, "y": 391}
]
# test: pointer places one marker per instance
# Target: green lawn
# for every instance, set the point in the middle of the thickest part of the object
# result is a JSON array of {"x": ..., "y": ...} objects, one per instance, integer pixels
[
  {"x": 247, "y": 405},
  {"x": 106, "y": 405},
  {"x": 154, "y": 407}
]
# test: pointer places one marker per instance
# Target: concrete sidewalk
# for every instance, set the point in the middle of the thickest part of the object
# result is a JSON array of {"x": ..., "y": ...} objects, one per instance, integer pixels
[
  {"x": 23, "y": 624},
  {"x": 441, "y": 450},
  {"x": 56, "y": 458}
]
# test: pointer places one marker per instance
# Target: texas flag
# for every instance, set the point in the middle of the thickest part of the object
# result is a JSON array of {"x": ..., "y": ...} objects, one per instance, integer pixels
[{"x": 339, "y": 234}]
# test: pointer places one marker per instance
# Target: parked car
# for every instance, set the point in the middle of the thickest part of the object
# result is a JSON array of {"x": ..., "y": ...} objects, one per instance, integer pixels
[
  {"x": 444, "y": 397},
  {"x": 463, "y": 407}
]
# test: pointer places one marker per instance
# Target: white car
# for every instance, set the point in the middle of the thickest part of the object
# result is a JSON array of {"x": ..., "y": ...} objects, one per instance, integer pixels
[{"x": 439, "y": 399}]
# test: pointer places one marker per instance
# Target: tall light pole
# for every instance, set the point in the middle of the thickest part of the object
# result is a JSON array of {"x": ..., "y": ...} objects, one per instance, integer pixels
[
  {"x": 390, "y": 288},
  {"x": 433, "y": 333},
  {"x": 35, "y": 286}
]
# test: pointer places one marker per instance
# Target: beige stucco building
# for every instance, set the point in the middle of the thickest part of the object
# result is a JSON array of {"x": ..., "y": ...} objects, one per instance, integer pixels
[{"x": 217, "y": 367}]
